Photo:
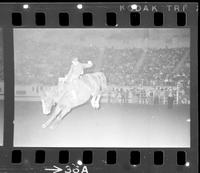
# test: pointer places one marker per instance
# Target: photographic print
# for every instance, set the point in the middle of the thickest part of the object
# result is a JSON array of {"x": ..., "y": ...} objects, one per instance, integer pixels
[{"x": 120, "y": 88}]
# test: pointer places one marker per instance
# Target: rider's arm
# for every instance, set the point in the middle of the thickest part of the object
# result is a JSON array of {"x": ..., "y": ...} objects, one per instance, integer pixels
[
  {"x": 69, "y": 73},
  {"x": 87, "y": 65}
]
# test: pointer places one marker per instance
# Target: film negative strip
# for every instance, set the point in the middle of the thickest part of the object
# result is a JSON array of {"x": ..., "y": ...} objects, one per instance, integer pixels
[{"x": 99, "y": 87}]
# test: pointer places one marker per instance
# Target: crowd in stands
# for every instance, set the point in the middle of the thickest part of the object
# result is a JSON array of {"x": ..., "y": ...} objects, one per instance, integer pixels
[
  {"x": 157, "y": 68},
  {"x": 136, "y": 68},
  {"x": 119, "y": 65},
  {"x": 160, "y": 72}
]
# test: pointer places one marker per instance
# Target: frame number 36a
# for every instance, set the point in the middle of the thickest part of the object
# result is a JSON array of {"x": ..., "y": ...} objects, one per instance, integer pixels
[{"x": 76, "y": 169}]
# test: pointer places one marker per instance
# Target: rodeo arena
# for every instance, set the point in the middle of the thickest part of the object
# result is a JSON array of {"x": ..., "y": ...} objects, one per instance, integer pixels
[{"x": 146, "y": 101}]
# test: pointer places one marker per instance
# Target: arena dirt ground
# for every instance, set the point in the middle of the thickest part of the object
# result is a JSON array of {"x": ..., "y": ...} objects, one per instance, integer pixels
[{"x": 114, "y": 125}]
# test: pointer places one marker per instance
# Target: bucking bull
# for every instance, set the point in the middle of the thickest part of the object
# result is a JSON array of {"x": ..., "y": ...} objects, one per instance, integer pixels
[{"x": 58, "y": 102}]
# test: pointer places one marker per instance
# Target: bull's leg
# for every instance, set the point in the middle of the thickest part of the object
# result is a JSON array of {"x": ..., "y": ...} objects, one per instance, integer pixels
[
  {"x": 50, "y": 120},
  {"x": 97, "y": 101},
  {"x": 93, "y": 101},
  {"x": 63, "y": 113},
  {"x": 60, "y": 117}
]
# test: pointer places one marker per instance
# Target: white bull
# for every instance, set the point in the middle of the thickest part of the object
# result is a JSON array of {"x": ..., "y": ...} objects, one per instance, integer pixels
[{"x": 89, "y": 87}]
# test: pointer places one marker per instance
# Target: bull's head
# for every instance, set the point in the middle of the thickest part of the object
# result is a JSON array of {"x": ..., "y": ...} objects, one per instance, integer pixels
[{"x": 47, "y": 102}]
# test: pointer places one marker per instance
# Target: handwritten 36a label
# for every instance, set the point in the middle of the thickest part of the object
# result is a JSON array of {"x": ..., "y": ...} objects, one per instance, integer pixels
[
  {"x": 76, "y": 169},
  {"x": 68, "y": 169}
]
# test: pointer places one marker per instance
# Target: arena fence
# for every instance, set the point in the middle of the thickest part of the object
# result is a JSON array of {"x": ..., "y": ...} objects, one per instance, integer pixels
[{"x": 117, "y": 94}]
